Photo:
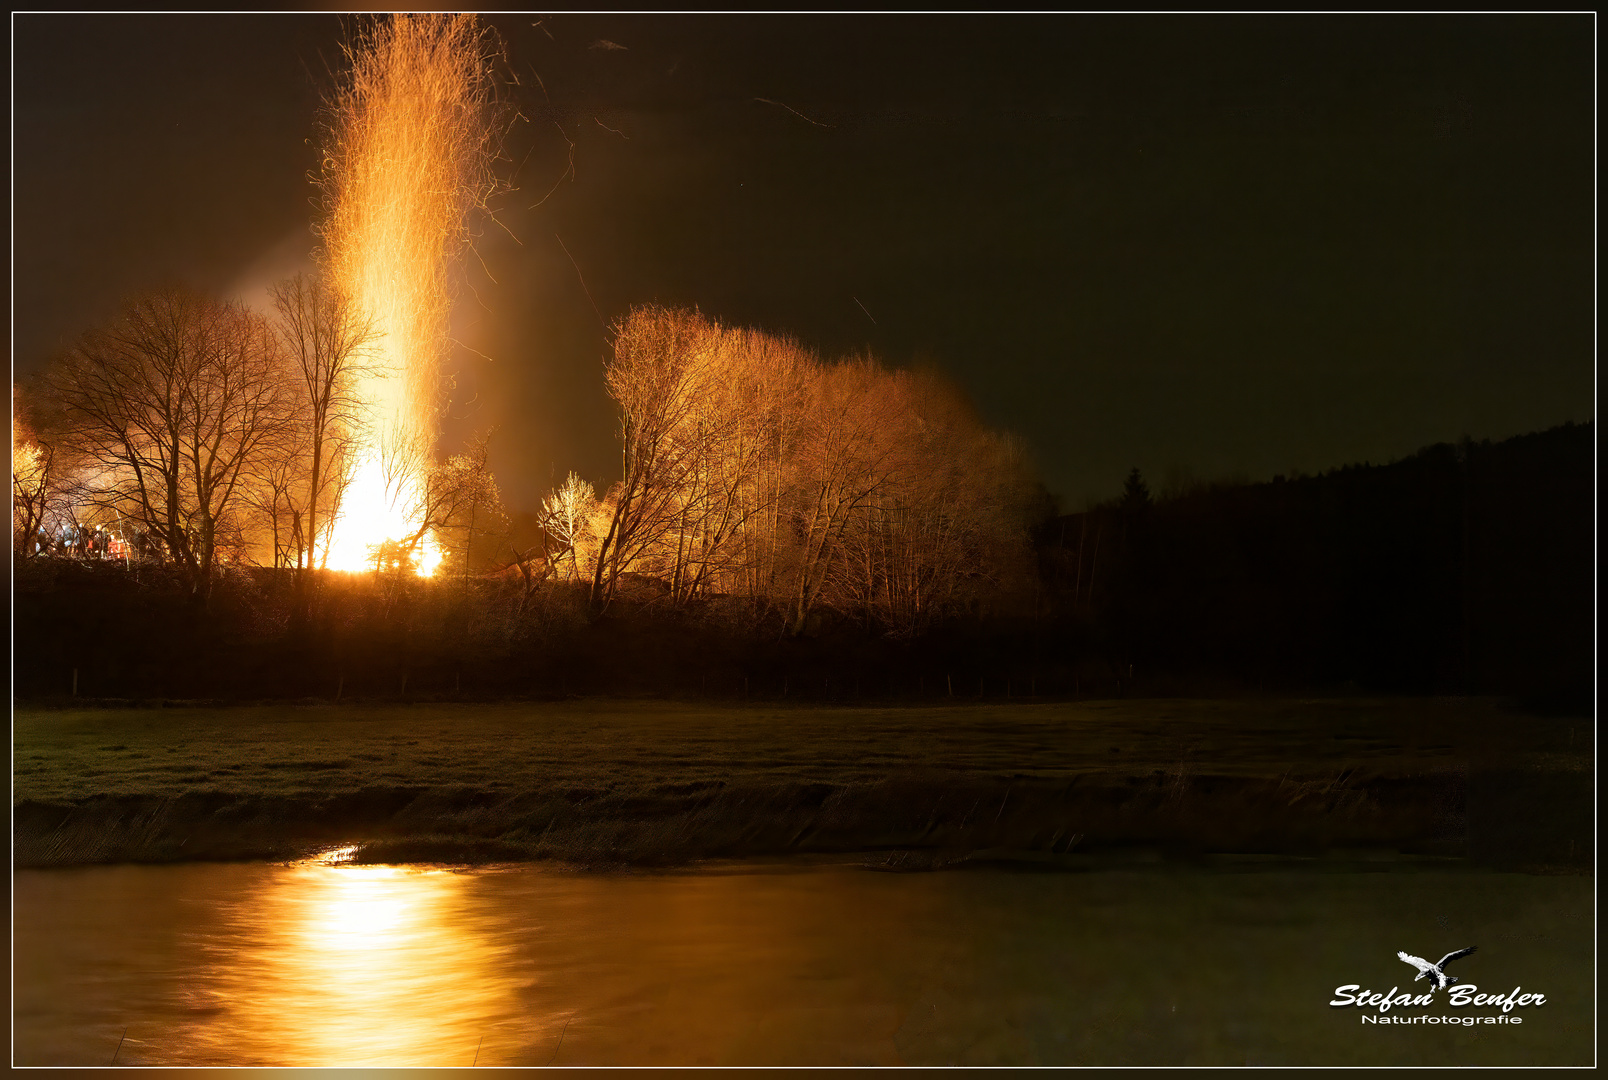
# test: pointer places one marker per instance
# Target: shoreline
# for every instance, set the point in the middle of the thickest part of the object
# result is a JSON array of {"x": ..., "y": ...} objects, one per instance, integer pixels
[{"x": 913, "y": 825}]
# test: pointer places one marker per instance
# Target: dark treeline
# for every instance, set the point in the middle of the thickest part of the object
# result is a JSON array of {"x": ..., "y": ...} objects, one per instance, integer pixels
[{"x": 1462, "y": 569}]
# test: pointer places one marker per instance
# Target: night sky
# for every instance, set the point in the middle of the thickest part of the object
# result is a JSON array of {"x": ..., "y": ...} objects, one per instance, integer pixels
[{"x": 1206, "y": 247}]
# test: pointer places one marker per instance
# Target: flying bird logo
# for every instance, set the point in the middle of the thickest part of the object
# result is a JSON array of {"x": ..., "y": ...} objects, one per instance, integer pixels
[
  {"x": 1459, "y": 994},
  {"x": 1436, "y": 970}
]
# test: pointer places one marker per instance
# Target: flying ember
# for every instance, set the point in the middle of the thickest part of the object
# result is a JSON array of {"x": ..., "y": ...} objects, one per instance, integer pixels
[{"x": 409, "y": 152}]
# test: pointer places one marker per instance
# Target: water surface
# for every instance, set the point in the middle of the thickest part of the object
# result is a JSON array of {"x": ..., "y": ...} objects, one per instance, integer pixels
[{"x": 317, "y": 964}]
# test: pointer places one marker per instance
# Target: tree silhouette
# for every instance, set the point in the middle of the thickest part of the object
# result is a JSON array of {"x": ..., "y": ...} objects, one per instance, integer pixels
[
  {"x": 1135, "y": 495},
  {"x": 168, "y": 410}
]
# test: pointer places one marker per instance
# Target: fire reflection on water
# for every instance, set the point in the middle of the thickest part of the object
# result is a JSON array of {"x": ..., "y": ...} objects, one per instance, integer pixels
[
  {"x": 317, "y": 964},
  {"x": 345, "y": 965}
]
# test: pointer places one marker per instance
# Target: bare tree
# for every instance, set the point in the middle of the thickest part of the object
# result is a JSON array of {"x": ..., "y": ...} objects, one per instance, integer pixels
[
  {"x": 744, "y": 425},
  {"x": 328, "y": 342},
  {"x": 458, "y": 495},
  {"x": 273, "y": 489},
  {"x": 947, "y": 523},
  {"x": 661, "y": 364},
  {"x": 567, "y": 518},
  {"x": 848, "y": 456},
  {"x": 168, "y": 409},
  {"x": 752, "y": 469}
]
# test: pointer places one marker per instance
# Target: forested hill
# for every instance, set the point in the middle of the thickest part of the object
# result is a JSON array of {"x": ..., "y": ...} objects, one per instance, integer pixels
[{"x": 1464, "y": 568}]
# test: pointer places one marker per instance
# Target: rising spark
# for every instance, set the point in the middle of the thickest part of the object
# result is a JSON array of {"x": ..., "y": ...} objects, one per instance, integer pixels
[
  {"x": 412, "y": 138},
  {"x": 795, "y": 112}
]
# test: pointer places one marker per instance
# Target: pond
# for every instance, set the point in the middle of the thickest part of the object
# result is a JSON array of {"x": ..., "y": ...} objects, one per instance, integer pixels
[{"x": 795, "y": 963}]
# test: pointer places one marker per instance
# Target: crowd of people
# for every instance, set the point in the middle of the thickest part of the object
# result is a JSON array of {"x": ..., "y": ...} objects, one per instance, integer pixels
[{"x": 85, "y": 542}]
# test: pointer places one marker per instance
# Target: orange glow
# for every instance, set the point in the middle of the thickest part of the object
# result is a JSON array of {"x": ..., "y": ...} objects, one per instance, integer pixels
[
  {"x": 364, "y": 965},
  {"x": 411, "y": 150},
  {"x": 373, "y": 512}
]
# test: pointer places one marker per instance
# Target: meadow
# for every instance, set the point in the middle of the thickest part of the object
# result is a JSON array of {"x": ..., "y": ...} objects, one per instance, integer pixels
[{"x": 627, "y": 782}]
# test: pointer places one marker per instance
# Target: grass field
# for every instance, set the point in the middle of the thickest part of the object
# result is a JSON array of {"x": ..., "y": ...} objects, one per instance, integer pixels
[{"x": 656, "y": 782}]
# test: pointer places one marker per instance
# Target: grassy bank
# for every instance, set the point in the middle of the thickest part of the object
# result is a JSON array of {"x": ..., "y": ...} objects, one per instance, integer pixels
[{"x": 600, "y": 782}]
